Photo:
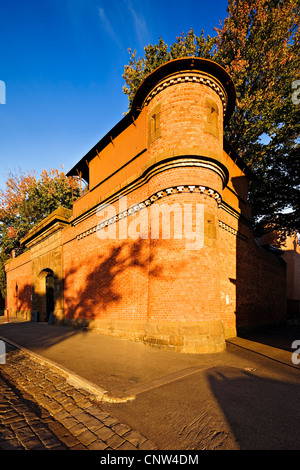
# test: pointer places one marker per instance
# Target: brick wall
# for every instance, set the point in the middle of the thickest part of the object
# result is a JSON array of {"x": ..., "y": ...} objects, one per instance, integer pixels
[
  {"x": 163, "y": 289},
  {"x": 19, "y": 286}
]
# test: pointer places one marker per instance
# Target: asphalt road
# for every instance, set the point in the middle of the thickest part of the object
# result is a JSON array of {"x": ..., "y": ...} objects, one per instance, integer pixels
[
  {"x": 246, "y": 397},
  {"x": 252, "y": 404}
]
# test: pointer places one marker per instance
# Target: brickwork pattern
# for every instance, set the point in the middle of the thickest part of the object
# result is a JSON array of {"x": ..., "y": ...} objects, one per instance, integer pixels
[
  {"x": 19, "y": 289},
  {"x": 182, "y": 118},
  {"x": 39, "y": 410}
]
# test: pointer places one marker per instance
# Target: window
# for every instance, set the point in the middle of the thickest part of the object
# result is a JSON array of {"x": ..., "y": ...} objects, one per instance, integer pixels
[
  {"x": 211, "y": 124},
  {"x": 154, "y": 131}
]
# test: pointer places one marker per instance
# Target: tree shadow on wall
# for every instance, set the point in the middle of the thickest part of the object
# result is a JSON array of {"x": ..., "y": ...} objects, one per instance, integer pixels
[
  {"x": 35, "y": 336},
  {"x": 37, "y": 301},
  {"x": 23, "y": 297},
  {"x": 115, "y": 280}
]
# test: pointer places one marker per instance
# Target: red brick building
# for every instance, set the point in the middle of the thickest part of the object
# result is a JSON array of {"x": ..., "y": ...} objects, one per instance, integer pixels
[{"x": 160, "y": 249}]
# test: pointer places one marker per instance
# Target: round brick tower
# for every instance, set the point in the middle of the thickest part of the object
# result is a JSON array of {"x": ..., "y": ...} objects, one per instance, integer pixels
[{"x": 187, "y": 102}]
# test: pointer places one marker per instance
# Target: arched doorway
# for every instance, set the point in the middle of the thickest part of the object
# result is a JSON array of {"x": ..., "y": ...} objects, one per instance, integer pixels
[
  {"x": 44, "y": 294},
  {"x": 49, "y": 294}
]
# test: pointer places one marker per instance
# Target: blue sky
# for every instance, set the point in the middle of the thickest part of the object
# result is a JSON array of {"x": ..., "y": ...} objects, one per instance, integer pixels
[{"x": 62, "y": 63}]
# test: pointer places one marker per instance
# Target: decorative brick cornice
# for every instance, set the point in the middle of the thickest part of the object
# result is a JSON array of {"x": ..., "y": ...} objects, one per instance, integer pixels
[
  {"x": 190, "y": 77},
  {"x": 237, "y": 215},
  {"x": 195, "y": 189},
  {"x": 152, "y": 169},
  {"x": 233, "y": 231}
]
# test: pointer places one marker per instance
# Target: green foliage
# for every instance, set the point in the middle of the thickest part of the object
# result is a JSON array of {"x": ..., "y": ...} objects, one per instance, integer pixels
[
  {"x": 258, "y": 45},
  {"x": 155, "y": 55}
]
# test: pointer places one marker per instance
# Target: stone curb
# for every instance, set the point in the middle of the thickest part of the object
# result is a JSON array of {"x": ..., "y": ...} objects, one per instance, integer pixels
[
  {"x": 66, "y": 418},
  {"x": 71, "y": 377},
  {"x": 273, "y": 353}
]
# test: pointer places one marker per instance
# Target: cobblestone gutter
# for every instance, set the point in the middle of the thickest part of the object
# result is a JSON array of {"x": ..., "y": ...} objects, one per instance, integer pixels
[{"x": 40, "y": 410}]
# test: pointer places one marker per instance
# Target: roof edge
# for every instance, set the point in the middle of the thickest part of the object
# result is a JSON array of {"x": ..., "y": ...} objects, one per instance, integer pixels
[
  {"x": 173, "y": 66},
  {"x": 61, "y": 214}
]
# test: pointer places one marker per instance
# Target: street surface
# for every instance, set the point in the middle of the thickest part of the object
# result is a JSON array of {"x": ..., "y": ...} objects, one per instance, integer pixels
[
  {"x": 246, "y": 397},
  {"x": 39, "y": 410}
]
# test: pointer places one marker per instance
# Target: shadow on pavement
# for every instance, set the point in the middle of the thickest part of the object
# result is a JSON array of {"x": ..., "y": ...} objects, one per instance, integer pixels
[
  {"x": 262, "y": 413},
  {"x": 281, "y": 338},
  {"x": 36, "y": 336}
]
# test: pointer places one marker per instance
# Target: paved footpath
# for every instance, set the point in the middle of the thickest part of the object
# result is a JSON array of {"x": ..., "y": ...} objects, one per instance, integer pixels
[{"x": 40, "y": 410}]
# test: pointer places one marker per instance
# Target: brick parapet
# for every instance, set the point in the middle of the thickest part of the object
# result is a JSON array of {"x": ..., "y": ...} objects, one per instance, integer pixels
[
  {"x": 166, "y": 158},
  {"x": 181, "y": 110}
]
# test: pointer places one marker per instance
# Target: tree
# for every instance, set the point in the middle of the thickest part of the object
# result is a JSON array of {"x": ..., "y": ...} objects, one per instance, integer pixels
[
  {"x": 258, "y": 45},
  {"x": 25, "y": 201},
  {"x": 155, "y": 55}
]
